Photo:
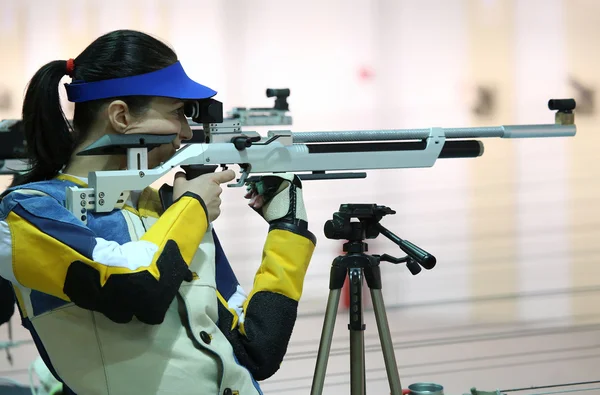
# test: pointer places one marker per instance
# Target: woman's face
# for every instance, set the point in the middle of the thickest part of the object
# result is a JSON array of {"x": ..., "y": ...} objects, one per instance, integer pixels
[{"x": 164, "y": 116}]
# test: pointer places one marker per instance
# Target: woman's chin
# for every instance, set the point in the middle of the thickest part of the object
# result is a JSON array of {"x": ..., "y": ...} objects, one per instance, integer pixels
[{"x": 156, "y": 157}]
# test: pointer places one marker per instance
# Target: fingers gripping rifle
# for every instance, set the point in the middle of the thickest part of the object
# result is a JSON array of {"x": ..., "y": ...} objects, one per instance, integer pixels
[{"x": 221, "y": 142}]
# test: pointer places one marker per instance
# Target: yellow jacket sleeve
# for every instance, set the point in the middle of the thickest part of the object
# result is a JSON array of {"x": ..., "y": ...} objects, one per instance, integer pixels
[{"x": 261, "y": 333}]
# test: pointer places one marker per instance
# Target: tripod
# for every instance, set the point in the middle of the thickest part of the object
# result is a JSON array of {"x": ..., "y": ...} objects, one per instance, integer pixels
[{"x": 356, "y": 264}]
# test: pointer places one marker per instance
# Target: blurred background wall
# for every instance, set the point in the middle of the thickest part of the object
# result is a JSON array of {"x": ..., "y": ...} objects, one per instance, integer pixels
[{"x": 515, "y": 232}]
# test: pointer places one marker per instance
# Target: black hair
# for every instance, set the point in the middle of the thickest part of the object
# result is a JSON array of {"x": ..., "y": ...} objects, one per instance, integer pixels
[{"x": 51, "y": 139}]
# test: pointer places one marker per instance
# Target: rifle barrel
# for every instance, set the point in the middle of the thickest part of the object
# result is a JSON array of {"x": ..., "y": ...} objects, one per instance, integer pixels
[{"x": 516, "y": 131}]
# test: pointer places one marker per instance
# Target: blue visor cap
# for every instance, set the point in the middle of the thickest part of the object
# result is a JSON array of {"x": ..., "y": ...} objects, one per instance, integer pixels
[{"x": 172, "y": 81}]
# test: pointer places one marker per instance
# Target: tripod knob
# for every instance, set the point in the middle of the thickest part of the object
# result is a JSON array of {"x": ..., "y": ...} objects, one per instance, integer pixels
[
  {"x": 413, "y": 267},
  {"x": 338, "y": 229}
]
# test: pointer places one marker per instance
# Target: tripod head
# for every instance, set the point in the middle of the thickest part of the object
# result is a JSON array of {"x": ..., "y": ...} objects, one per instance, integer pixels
[{"x": 341, "y": 227}]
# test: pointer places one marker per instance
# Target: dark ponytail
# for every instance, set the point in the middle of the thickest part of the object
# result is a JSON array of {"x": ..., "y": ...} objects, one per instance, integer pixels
[
  {"x": 51, "y": 139},
  {"x": 48, "y": 134}
]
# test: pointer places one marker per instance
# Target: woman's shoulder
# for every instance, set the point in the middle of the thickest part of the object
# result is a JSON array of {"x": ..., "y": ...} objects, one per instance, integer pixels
[
  {"x": 41, "y": 203},
  {"x": 51, "y": 188}
]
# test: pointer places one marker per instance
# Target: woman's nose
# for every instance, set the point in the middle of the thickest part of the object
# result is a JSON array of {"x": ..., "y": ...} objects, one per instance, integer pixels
[{"x": 186, "y": 131}]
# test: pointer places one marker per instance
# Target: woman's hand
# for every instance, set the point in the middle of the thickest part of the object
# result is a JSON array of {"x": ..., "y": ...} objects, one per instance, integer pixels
[
  {"x": 277, "y": 197},
  {"x": 207, "y": 186}
]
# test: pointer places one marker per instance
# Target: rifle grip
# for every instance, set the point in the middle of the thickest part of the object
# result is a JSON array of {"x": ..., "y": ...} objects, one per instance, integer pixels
[
  {"x": 191, "y": 171},
  {"x": 165, "y": 193}
]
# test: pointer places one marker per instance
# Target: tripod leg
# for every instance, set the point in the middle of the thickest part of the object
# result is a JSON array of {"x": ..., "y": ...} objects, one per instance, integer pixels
[
  {"x": 357, "y": 337},
  {"x": 357, "y": 371},
  {"x": 325, "y": 343},
  {"x": 386, "y": 342},
  {"x": 337, "y": 278},
  {"x": 373, "y": 277}
]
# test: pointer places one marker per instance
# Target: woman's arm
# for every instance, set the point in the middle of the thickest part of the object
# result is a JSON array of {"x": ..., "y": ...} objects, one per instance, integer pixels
[
  {"x": 260, "y": 326},
  {"x": 47, "y": 249}
]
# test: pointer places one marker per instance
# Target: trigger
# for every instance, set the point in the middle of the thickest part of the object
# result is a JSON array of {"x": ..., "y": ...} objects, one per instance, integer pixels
[{"x": 242, "y": 179}]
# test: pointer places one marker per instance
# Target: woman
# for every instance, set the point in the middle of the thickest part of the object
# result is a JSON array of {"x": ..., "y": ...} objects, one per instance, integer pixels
[{"x": 142, "y": 300}]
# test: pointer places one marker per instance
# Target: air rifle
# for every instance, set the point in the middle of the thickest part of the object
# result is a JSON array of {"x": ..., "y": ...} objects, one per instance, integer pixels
[{"x": 221, "y": 142}]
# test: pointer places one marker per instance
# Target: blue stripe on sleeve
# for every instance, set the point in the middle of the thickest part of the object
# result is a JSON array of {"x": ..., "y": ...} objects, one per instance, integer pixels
[
  {"x": 55, "y": 223},
  {"x": 225, "y": 277}
]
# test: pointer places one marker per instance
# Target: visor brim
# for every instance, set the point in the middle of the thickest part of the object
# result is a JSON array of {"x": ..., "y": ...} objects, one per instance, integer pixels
[{"x": 171, "y": 81}]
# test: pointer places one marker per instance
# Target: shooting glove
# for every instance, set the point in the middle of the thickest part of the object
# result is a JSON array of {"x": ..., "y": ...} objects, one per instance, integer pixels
[{"x": 283, "y": 201}]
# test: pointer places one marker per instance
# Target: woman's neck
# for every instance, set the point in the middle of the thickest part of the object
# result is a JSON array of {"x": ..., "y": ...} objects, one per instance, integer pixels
[{"x": 81, "y": 166}]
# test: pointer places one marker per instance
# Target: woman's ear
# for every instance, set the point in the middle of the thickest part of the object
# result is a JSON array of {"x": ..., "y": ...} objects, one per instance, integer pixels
[{"x": 119, "y": 116}]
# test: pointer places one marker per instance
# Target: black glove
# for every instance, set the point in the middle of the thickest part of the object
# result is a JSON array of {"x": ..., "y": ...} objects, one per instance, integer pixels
[{"x": 278, "y": 198}]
